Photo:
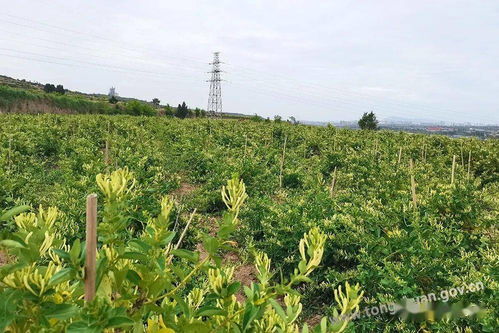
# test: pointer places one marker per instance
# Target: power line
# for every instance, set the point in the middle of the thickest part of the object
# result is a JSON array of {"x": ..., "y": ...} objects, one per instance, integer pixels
[
  {"x": 86, "y": 63},
  {"x": 341, "y": 96},
  {"x": 196, "y": 70},
  {"x": 313, "y": 86}
]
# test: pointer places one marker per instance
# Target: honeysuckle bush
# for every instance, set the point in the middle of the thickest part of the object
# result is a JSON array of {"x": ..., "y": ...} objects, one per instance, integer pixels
[
  {"x": 145, "y": 281},
  {"x": 375, "y": 236}
]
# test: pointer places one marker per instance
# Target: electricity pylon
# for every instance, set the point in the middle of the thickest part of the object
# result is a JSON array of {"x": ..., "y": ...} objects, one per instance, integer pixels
[{"x": 215, "y": 95}]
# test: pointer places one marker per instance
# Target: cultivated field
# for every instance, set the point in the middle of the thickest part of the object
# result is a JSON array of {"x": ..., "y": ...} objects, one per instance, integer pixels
[{"x": 186, "y": 208}]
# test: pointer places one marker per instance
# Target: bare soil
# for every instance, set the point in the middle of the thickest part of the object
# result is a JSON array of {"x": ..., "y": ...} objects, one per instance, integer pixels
[
  {"x": 184, "y": 190},
  {"x": 4, "y": 258}
]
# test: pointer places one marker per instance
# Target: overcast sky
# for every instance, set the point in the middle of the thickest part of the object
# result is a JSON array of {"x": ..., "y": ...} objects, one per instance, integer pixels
[{"x": 315, "y": 60}]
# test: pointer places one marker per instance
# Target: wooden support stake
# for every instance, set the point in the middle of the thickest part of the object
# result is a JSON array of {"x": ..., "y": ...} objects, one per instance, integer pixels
[
  {"x": 333, "y": 183},
  {"x": 91, "y": 247},
  {"x": 453, "y": 169},
  {"x": 185, "y": 230},
  {"x": 413, "y": 185},
  {"x": 282, "y": 160},
  {"x": 423, "y": 153},
  {"x": 469, "y": 164},
  {"x": 400, "y": 155},
  {"x": 106, "y": 153},
  {"x": 462, "y": 157},
  {"x": 245, "y": 144},
  {"x": 9, "y": 153}
]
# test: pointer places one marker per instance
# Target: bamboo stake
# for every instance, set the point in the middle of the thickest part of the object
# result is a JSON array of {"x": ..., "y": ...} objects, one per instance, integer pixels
[
  {"x": 91, "y": 247},
  {"x": 469, "y": 164},
  {"x": 413, "y": 185},
  {"x": 9, "y": 153},
  {"x": 106, "y": 153},
  {"x": 185, "y": 230},
  {"x": 282, "y": 160},
  {"x": 453, "y": 169},
  {"x": 400, "y": 155},
  {"x": 462, "y": 157},
  {"x": 333, "y": 183},
  {"x": 245, "y": 144}
]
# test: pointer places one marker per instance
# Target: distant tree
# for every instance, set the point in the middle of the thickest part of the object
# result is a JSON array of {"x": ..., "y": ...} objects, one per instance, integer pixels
[
  {"x": 155, "y": 101},
  {"x": 113, "y": 100},
  {"x": 197, "y": 112},
  {"x": 277, "y": 118},
  {"x": 256, "y": 118},
  {"x": 368, "y": 121},
  {"x": 169, "y": 111},
  {"x": 182, "y": 111},
  {"x": 60, "y": 89},
  {"x": 293, "y": 120},
  {"x": 49, "y": 88},
  {"x": 137, "y": 108},
  {"x": 203, "y": 113}
]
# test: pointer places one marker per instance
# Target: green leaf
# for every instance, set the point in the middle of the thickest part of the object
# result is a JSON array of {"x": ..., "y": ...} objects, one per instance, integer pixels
[
  {"x": 63, "y": 254},
  {"x": 210, "y": 311},
  {"x": 248, "y": 292},
  {"x": 249, "y": 315},
  {"x": 8, "y": 306},
  {"x": 233, "y": 288},
  {"x": 101, "y": 270},
  {"x": 278, "y": 309},
  {"x": 186, "y": 254},
  {"x": 63, "y": 275},
  {"x": 134, "y": 255},
  {"x": 59, "y": 311},
  {"x": 83, "y": 327},
  {"x": 211, "y": 244},
  {"x": 168, "y": 238},
  {"x": 196, "y": 326},
  {"x": 12, "y": 244},
  {"x": 13, "y": 212},
  {"x": 133, "y": 277},
  {"x": 119, "y": 322},
  {"x": 74, "y": 253},
  {"x": 139, "y": 244}
]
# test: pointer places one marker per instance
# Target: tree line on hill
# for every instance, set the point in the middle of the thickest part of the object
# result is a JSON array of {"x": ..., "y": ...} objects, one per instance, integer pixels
[
  {"x": 50, "y": 88},
  {"x": 138, "y": 108},
  {"x": 368, "y": 121}
]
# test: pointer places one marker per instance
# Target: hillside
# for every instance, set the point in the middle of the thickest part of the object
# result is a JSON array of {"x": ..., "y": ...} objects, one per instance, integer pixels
[
  {"x": 38, "y": 87},
  {"x": 21, "y": 96}
]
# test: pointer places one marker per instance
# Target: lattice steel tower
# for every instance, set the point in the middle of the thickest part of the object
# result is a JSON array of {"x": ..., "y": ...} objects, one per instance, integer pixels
[{"x": 215, "y": 96}]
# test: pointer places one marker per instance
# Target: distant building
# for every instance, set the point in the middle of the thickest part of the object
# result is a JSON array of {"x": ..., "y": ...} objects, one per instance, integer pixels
[{"x": 112, "y": 92}]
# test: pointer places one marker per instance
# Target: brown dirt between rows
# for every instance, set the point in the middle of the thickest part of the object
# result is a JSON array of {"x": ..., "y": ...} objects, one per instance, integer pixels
[
  {"x": 4, "y": 259},
  {"x": 243, "y": 273},
  {"x": 184, "y": 189}
]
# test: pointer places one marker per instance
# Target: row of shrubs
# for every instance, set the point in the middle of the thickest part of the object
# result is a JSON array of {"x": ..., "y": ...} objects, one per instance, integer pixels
[{"x": 16, "y": 100}]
